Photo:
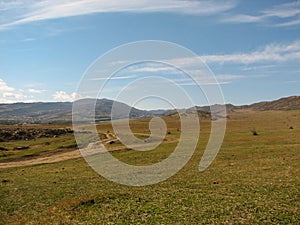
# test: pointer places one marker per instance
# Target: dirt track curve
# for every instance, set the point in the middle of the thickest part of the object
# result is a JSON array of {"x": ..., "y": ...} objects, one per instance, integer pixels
[{"x": 59, "y": 155}]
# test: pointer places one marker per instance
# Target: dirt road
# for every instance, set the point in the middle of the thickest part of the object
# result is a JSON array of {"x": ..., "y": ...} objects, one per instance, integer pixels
[
  {"x": 56, "y": 157},
  {"x": 61, "y": 155}
]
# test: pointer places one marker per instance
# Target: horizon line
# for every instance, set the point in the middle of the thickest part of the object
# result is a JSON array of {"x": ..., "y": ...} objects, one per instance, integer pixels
[{"x": 244, "y": 104}]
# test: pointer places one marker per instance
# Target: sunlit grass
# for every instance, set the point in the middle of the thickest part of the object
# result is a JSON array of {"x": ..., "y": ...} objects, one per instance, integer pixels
[{"x": 254, "y": 180}]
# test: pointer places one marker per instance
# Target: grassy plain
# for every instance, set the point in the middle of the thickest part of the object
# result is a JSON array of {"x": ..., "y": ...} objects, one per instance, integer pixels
[{"x": 254, "y": 180}]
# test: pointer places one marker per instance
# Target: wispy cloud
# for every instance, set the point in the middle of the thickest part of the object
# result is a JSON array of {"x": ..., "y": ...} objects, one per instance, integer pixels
[
  {"x": 242, "y": 18},
  {"x": 292, "y": 82},
  {"x": 261, "y": 62},
  {"x": 113, "y": 78},
  {"x": 287, "y": 11},
  {"x": 229, "y": 77},
  {"x": 33, "y": 85},
  {"x": 270, "y": 53},
  {"x": 283, "y": 10},
  {"x": 28, "y": 39},
  {"x": 258, "y": 67},
  {"x": 152, "y": 69},
  {"x": 210, "y": 80},
  {"x": 290, "y": 23},
  {"x": 189, "y": 74},
  {"x": 52, "y": 9},
  {"x": 35, "y": 91}
]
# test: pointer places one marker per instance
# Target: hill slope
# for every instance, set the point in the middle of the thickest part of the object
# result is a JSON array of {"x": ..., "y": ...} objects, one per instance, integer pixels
[
  {"x": 283, "y": 104},
  {"x": 288, "y": 103},
  {"x": 55, "y": 112}
]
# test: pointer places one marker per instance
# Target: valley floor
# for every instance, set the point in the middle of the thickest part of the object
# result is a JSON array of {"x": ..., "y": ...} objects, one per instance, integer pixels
[{"x": 255, "y": 179}]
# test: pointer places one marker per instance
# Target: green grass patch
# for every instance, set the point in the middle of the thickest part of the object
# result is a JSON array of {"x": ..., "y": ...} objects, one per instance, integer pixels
[{"x": 254, "y": 180}]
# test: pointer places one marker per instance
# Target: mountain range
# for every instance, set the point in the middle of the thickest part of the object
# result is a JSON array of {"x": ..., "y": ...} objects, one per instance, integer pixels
[{"x": 61, "y": 112}]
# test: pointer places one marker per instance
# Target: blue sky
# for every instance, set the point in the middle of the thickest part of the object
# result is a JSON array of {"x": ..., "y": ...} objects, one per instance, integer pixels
[{"x": 252, "y": 47}]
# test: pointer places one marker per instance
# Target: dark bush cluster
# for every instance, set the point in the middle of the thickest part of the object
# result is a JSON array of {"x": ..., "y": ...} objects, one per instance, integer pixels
[{"x": 13, "y": 134}]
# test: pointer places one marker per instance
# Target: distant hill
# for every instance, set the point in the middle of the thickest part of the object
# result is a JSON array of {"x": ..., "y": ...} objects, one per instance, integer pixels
[
  {"x": 288, "y": 103},
  {"x": 35, "y": 112},
  {"x": 61, "y": 112},
  {"x": 283, "y": 104},
  {"x": 201, "y": 113}
]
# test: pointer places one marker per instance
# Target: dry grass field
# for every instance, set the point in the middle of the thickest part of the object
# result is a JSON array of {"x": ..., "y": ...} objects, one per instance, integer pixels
[{"x": 255, "y": 179}]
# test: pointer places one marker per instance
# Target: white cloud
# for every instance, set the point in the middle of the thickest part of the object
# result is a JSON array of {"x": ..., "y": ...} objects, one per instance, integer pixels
[
  {"x": 292, "y": 82},
  {"x": 273, "y": 54},
  {"x": 7, "y": 5},
  {"x": 13, "y": 95},
  {"x": 270, "y": 53},
  {"x": 287, "y": 11},
  {"x": 229, "y": 77},
  {"x": 10, "y": 94},
  {"x": 242, "y": 18},
  {"x": 35, "y": 91},
  {"x": 4, "y": 87},
  {"x": 51, "y": 9},
  {"x": 33, "y": 85},
  {"x": 28, "y": 39},
  {"x": 210, "y": 80},
  {"x": 259, "y": 67},
  {"x": 63, "y": 96},
  {"x": 151, "y": 69},
  {"x": 113, "y": 78},
  {"x": 290, "y": 23}
]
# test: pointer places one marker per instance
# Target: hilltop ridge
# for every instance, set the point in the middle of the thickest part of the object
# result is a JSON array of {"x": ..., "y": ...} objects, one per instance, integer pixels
[{"x": 61, "y": 112}]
